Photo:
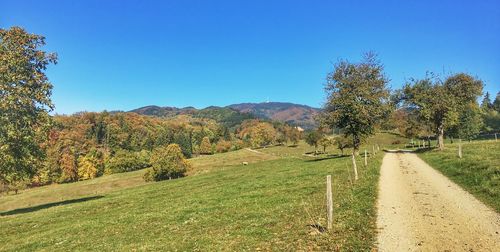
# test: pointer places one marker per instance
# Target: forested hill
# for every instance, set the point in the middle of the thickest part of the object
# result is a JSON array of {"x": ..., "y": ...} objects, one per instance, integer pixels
[
  {"x": 224, "y": 115},
  {"x": 231, "y": 115},
  {"x": 296, "y": 114}
]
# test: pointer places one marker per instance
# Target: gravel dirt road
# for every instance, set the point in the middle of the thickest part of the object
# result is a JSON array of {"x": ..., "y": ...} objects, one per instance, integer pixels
[{"x": 419, "y": 209}]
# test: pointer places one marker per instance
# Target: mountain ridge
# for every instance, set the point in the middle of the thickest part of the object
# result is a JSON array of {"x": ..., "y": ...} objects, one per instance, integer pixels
[{"x": 292, "y": 113}]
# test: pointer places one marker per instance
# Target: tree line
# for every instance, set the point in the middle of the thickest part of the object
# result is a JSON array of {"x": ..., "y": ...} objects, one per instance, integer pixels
[
  {"x": 359, "y": 102},
  {"x": 39, "y": 149}
]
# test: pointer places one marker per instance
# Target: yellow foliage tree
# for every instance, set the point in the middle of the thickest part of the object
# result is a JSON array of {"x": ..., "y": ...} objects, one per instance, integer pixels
[
  {"x": 87, "y": 167},
  {"x": 205, "y": 146},
  {"x": 167, "y": 163}
]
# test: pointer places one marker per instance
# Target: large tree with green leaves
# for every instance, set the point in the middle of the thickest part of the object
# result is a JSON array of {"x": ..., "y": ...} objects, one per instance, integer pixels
[
  {"x": 442, "y": 103},
  {"x": 24, "y": 102},
  {"x": 357, "y": 98}
]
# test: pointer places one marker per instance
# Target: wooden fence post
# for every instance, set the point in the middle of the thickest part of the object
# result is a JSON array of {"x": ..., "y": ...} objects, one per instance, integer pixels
[
  {"x": 366, "y": 161},
  {"x": 496, "y": 139},
  {"x": 329, "y": 201},
  {"x": 373, "y": 150},
  {"x": 355, "y": 167},
  {"x": 460, "y": 149}
]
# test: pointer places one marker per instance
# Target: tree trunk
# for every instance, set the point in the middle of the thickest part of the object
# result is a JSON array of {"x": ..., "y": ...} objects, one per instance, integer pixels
[
  {"x": 355, "y": 143},
  {"x": 440, "y": 138}
]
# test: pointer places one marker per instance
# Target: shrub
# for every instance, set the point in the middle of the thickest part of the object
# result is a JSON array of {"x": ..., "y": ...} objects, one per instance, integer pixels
[
  {"x": 14, "y": 185},
  {"x": 125, "y": 161},
  {"x": 167, "y": 163},
  {"x": 223, "y": 146},
  {"x": 396, "y": 142},
  {"x": 238, "y": 144}
]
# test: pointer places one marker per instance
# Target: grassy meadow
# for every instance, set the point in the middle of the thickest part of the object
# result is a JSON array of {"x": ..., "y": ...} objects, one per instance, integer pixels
[
  {"x": 478, "y": 171},
  {"x": 118, "y": 181},
  {"x": 274, "y": 203}
]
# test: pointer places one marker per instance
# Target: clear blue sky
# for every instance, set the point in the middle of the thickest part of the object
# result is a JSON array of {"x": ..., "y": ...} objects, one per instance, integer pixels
[{"x": 120, "y": 55}]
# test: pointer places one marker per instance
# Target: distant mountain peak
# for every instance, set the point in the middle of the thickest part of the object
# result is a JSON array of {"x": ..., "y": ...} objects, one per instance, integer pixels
[{"x": 295, "y": 114}]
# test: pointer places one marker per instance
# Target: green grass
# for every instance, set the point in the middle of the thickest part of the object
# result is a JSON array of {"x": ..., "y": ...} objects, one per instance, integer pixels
[
  {"x": 382, "y": 139},
  {"x": 387, "y": 140},
  {"x": 109, "y": 183},
  {"x": 265, "y": 205},
  {"x": 477, "y": 172},
  {"x": 288, "y": 151},
  {"x": 210, "y": 163}
]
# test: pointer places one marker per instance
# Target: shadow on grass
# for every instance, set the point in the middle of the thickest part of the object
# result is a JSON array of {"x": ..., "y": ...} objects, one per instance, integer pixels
[
  {"x": 49, "y": 205},
  {"x": 318, "y": 227},
  {"x": 419, "y": 150},
  {"x": 326, "y": 158},
  {"x": 422, "y": 150},
  {"x": 392, "y": 133}
]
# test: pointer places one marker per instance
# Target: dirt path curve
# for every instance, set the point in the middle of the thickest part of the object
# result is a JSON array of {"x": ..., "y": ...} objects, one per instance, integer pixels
[
  {"x": 254, "y": 151},
  {"x": 419, "y": 209}
]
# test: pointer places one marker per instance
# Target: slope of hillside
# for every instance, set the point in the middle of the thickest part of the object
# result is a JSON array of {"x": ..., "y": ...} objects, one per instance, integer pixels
[
  {"x": 157, "y": 111},
  {"x": 295, "y": 114},
  {"x": 275, "y": 204},
  {"x": 227, "y": 116},
  {"x": 119, "y": 181}
]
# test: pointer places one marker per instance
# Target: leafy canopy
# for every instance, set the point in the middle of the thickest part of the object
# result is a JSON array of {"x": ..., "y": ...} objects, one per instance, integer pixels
[
  {"x": 24, "y": 102},
  {"x": 357, "y": 98},
  {"x": 442, "y": 103},
  {"x": 167, "y": 163}
]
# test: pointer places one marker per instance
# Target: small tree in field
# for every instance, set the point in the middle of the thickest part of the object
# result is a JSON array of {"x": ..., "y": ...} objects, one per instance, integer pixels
[
  {"x": 167, "y": 163},
  {"x": 312, "y": 138},
  {"x": 440, "y": 103},
  {"x": 343, "y": 143},
  {"x": 205, "y": 146},
  {"x": 293, "y": 134},
  {"x": 325, "y": 142},
  {"x": 357, "y": 98}
]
